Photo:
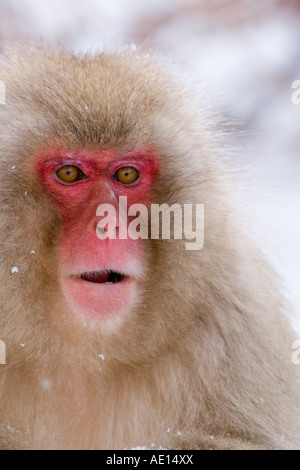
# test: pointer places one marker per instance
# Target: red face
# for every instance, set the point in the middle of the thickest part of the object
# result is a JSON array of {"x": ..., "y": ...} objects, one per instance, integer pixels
[{"x": 98, "y": 277}]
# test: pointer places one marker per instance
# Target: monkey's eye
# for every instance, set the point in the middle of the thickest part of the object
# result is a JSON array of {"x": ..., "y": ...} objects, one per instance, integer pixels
[
  {"x": 69, "y": 174},
  {"x": 126, "y": 175}
]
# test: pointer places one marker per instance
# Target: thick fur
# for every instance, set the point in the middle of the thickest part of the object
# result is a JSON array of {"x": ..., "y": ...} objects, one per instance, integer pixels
[{"x": 203, "y": 361}]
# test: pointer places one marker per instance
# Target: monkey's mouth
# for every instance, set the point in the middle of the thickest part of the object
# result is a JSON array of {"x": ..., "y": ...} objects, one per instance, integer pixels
[
  {"x": 100, "y": 294},
  {"x": 103, "y": 277}
]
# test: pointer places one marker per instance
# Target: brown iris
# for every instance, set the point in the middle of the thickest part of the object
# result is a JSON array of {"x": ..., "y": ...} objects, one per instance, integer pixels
[
  {"x": 69, "y": 174},
  {"x": 127, "y": 175}
]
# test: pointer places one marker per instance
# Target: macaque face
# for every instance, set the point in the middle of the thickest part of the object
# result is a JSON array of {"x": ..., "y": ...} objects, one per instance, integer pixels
[
  {"x": 98, "y": 277},
  {"x": 114, "y": 341}
]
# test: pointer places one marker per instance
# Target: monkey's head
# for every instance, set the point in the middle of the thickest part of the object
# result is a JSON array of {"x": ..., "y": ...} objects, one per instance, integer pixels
[
  {"x": 89, "y": 149},
  {"x": 77, "y": 135}
]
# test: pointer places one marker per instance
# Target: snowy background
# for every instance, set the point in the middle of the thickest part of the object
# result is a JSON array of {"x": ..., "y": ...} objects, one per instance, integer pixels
[{"x": 244, "y": 54}]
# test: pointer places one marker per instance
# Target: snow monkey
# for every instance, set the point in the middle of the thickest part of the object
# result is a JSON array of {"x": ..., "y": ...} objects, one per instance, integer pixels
[{"x": 118, "y": 342}]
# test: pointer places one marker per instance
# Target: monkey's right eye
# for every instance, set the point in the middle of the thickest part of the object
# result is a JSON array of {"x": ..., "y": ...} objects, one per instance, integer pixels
[{"x": 69, "y": 174}]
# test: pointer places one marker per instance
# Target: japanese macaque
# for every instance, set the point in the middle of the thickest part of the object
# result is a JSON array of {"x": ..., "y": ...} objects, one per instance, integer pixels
[{"x": 115, "y": 343}]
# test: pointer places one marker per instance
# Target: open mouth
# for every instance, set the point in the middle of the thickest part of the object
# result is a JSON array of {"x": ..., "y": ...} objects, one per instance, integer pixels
[
  {"x": 102, "y": 277},
  {"x": 99, "y": 294}
]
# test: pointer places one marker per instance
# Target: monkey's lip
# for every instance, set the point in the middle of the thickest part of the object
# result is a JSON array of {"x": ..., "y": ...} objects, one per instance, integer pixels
[
  {"x": 102, "y": 277},
  {"x": 99, "y": 295}
]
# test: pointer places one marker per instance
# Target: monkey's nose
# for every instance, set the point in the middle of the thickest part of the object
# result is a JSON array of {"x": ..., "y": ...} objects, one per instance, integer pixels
[
  {"x": 102, "y": 230},
  {"x": 107, "y": 226}
]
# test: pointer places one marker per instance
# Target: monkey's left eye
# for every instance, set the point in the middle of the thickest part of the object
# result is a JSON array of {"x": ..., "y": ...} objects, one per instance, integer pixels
[
  {"x": 69, "y": 174},
  {"x": 126, "y": 175}
]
